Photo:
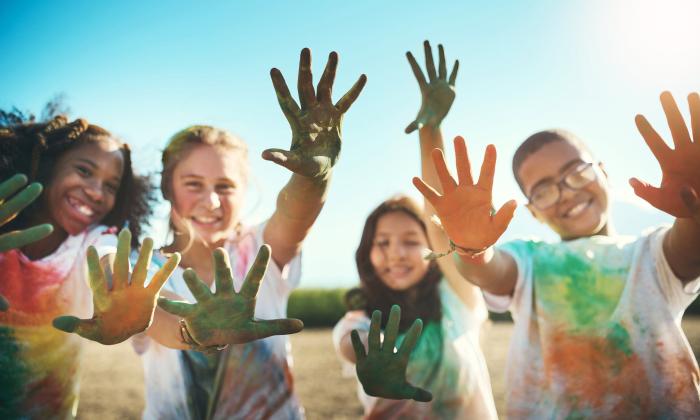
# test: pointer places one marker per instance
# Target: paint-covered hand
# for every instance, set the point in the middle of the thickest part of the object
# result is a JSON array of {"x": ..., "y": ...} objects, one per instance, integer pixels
[
  {"x": 3, "y": 304},
  {"x": 226, "y": 316},
  {"x": 680, "y": 166},
  {"x": 127, "y": 307},
  {"x": 316, "y": 126},
  {"x": 381, "y": 371},
  {"x": 10, "y": 207},
  {"x": 437, "y": 93},
  {"x": 465, "y": 207}
]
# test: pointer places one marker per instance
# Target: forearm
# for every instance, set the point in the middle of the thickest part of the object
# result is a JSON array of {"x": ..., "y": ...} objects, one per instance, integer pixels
[
  {"x": 165, "y": 328},
  {"x": 494, "y": 271},
  {"x": 298, "y": 205},
  {"x": 681, "y": 245}
]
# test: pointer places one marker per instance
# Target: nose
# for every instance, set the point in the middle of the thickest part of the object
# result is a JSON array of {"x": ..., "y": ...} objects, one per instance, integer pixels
[
  {"x": 396, "y": 251},
  {"x": 95, "y": 192},
  {"x": 211, "y": 200}
]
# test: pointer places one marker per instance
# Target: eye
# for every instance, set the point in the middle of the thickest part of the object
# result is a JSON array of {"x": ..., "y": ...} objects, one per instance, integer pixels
[
  {"x": 383, "y": 243},
  {"x": 83, "y": 171},
  {"x": 411, "y": 243},
  {"x": 112, "y": 188},
  {"x": 225, "y": 188},
  {"x": 193, "y": 185}
]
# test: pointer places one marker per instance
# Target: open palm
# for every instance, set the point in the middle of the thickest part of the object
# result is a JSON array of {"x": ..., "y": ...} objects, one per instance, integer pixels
[
  {"x": 465, "y": 207},
  {"x": 680, "y": 166},
  {"x": 10, "y": 207},
  {"x": 127, "y": 307},
  {"x": 226, "y": 316},
  {"x": 316, "y": 125}
]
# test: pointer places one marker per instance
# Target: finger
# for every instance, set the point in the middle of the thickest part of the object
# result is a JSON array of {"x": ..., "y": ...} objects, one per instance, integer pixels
[
  {"x": 181, "y": 309},
  {"x": 503, "y": 216},
  {"x": 71, "y": 324},
  {"x": 283, "y": 158},
  {"x": 464, "y": 167},
  {"x": 349, "y": 98},
  {"x": 325, "y": 85},
  {"x": 12, "y": 185},
  {"x": 409, "y": 343},
  {"x": 415, "y": 125},
  {"x": 691, "y": 201},
  {"x": 20, "y": 238},
  {"x": 416, "y": 70},
  {"x": 305, "y": 84},
  {"x": 488, "y": 168},
  {"x": 646, "y": 192},
  {"x": 121, "y": 262},
  {"x": 272, "y": 327},
  {"x": 9, "y": 209},
  {"x": 442, "y": 66},
  {"x": 138, "y": 277},
  {"x": 656, "y": 144},
  {"x": 428, "y": 192},
  {"x": 679, "y": 131},
  {"x": 357, "y": 345},
  {"x": 199, "y": 290},
  {"x": 446, "y": 181},
  {"x": 256, "y": 273},
  {"x": 392, "y": 329},
  {"x": 96, "y": 275},
  {"x": 222, "y": 271},
  {"x": 4, "y": 305},
  {"x": 429, "y": 64},
  {"x": 375, "y": 326},
  {"x": 453, "y": 75},
  {"x": 419, "y": 394},
  {"x": 694, "y": 105},
  {"x": 287, "y": 103},
  {"x": 164, "y": 273}
]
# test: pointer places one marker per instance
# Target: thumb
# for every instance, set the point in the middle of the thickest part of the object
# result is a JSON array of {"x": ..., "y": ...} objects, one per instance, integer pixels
[
  {"x": 412, "y": 127},
  {"x": 272, "y": 327},
  {"x": 281, "y": 157},
  {"x": 504, "y": 215},
  {"x": 3, "y": 304},
  {"x": 86, "y": 328},
  {"x": 418, "y": 394},
  {"x": 646, "y": 192}
]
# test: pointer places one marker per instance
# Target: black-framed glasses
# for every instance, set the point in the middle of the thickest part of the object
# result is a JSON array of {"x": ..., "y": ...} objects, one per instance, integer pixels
[{"x": 547, "y": 194}]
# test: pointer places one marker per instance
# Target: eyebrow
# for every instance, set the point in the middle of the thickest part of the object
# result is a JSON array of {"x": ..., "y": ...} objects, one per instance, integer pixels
[
  {"x": 562, "y": 170},
  {"x": 87, "y": 161}
]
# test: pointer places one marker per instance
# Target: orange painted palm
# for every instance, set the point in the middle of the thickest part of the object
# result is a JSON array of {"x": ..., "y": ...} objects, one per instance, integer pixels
[{"x": 680, "y": 167}]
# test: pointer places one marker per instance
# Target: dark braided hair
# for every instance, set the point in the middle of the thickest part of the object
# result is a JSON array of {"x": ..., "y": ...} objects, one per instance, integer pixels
[
  {"x": 419, "y": 301},
  {"x": 33, "y": 148}
]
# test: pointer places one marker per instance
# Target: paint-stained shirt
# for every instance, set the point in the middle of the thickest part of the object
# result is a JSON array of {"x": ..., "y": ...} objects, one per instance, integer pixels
[
  {"x": 257, "y": 383},
  {"x": 447, "y": 361},
  {"x": 598, "y": 331},
  {"x": 40, "y": 365}
]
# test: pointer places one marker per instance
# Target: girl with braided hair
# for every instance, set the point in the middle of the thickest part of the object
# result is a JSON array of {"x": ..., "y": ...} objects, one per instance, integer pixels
[{"x": 88, "y": 183}]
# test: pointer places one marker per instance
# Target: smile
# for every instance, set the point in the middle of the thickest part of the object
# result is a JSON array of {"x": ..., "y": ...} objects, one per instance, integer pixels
[
  {"x": 577, "y": 209},
  {"x": 81, "y": 207}
]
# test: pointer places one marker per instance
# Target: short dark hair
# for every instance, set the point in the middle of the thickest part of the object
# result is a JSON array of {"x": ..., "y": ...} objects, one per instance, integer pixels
[
  {"x": 535, "y": 142},
  {"x": 421, "y": 300},
  {"x": 33, "y": 148}
]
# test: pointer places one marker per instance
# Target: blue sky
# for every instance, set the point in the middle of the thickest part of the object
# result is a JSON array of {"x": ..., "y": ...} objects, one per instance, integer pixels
[{"x": 147, "y": 69}]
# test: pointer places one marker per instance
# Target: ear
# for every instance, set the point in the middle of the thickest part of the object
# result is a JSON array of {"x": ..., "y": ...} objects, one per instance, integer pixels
[{"x": 534, "y": 212}]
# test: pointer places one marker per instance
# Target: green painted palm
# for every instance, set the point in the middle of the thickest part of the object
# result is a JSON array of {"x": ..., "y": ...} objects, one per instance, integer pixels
[
  {"x": 438, "y": 92},
  {"x": 10, "y": 207},
  {"x": 316, "y": 125},
  {"x": 226, "y": 316},
  {"x": 381, "y": 370}
]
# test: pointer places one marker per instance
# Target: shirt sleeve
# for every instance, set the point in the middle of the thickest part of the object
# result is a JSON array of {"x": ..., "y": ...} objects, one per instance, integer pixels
[
  {"x": 520, "y": 250},
  {"x": 678, "y": 295}
]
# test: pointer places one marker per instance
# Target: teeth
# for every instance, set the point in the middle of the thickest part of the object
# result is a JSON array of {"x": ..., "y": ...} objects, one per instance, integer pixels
[
  {"x": 205, "y": 220},
  {"x": 81, "y": 208},
  {"x": 577, "y": 209}
]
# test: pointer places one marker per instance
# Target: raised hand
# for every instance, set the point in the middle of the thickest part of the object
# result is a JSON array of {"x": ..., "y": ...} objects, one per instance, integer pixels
[
  {"x": 226, "y": 317},
  {"x": 10, "y": 208},
  {"x": 465, "y": 207},
  {"x": 680, "y": 166},
  {"x": 316, "y": 126},
  {"x": 381, "y": 371},
  {"x": 127, "y": 308},
  {"x": 438, "y": 92}
]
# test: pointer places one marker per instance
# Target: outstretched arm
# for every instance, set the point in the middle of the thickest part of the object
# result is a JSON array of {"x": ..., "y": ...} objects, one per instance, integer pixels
[
  {"x": 680, "y": 184},
  {"x": 316, "y": 141},
  {"x": 465, "y": 211},
  {"x": 437, "y": 95}
]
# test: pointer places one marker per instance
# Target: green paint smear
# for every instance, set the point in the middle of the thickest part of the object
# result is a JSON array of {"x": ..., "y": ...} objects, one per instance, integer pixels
[
  {"x": 574, "y": 289},
  {"x": 13, "y": 376}
]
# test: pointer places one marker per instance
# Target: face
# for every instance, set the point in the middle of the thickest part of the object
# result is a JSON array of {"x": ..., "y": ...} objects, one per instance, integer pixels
[
  {"x": 397, "y": 251},
  {"x": 84, "y": 185},
  {"x": 208, "y": 193},
  {"x": 578, "y": 212}
]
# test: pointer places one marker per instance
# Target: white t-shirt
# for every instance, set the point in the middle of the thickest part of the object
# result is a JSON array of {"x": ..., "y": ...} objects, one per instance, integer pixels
[
  {"x": 41, "y": 365},
  {"x": 258, "y": 381},
  {"x": 447, "y": 361},
  {"x": 597, "y": 331}
]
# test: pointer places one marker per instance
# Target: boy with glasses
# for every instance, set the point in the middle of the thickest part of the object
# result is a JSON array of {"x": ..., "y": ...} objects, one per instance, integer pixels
[{"x": 597, "y": 316}]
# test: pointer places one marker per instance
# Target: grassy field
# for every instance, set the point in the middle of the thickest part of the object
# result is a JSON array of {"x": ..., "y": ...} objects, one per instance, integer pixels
[{"x": 112, "y": 386}]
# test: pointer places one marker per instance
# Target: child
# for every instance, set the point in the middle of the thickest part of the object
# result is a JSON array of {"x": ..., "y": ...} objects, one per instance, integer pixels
[
  {"x": 597, "y": 316},
  {"x": 205, "y": 173},
  {"x": 88, "y": 180},
  {"x": 447, "y": 360}
]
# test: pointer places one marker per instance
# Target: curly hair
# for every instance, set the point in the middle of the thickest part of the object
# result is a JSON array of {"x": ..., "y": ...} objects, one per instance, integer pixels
[
  {"x": 33, "y": 148},
  {"x": 421, "y": 300}
]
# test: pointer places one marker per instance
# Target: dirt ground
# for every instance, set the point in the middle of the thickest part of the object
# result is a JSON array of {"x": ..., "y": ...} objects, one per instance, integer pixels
[{"x": 112, "y": 386}]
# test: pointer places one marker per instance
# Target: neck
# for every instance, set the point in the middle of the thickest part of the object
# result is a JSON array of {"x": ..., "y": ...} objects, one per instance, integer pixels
[
  {"x": 46, "y": 246},
  {"x": 196, "y": 255}
]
